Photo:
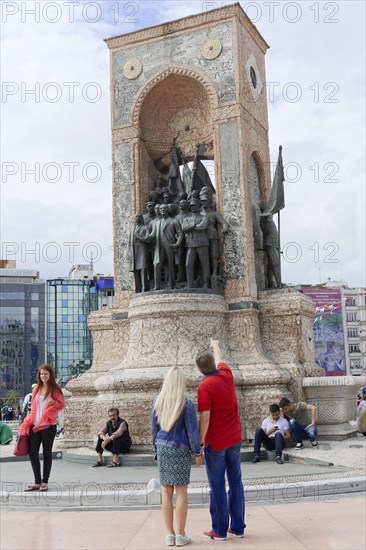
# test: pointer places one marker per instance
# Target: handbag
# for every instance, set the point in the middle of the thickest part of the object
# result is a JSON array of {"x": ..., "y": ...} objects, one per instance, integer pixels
[{"x": 22, "y": 446}]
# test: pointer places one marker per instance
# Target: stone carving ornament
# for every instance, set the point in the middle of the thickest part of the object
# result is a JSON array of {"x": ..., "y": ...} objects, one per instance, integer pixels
[
  {"x": 212, "y": 48},
  {"x": 132, "y": 69}
]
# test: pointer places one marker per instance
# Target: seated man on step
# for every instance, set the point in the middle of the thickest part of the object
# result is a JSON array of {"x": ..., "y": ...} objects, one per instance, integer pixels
[
  {"x": 302, "y": 418},
  {"x": 273, "y": 434},
  {"x": 114, "y": 437}
]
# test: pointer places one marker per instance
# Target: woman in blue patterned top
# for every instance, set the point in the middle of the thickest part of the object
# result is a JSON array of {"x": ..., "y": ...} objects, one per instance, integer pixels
[{"x": 175, "y": 437}]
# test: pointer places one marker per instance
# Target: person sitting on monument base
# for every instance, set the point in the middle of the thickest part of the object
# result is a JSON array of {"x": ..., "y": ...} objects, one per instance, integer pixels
[
  {"x": 114, "y": 437},
  {"x": 273, "y": 434},
  {"x": 302, "y": 418}
]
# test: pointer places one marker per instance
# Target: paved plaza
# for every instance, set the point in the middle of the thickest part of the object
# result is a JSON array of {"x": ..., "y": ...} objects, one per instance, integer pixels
[
  {"x": 305, "y": 503},
  {"x": 319, "y": 525}
]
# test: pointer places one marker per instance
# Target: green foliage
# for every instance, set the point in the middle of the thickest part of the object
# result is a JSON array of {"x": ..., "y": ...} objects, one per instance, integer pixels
[{"x": 12, "y": 399}]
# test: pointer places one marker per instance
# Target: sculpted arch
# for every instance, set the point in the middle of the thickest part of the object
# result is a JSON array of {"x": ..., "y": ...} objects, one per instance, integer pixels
[{"x": 175, "y": 108}]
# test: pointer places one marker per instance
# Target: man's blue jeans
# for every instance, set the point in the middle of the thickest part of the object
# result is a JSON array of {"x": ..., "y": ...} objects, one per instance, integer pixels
[
  {"x": 300, "y": 431},
  {"x": 222, "y": 505},
  {"x": 270, "y": 443}
]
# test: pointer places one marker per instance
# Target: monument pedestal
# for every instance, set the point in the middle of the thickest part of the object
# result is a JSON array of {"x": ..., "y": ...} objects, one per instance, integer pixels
[
  {"x": 133, "y": 350},
  {"x": 335, "y": 399}
]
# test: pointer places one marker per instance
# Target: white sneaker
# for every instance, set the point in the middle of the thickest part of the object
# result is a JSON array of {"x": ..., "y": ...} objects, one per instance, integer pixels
[
  {"x": 170, "y": 540},
  {"x": 234, "y": 535},
  {"x": 299, "y": 446},
  {"x": 182, "y": 540}
]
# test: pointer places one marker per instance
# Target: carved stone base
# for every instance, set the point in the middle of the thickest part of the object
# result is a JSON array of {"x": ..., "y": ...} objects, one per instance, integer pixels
[
  {"x": 286, "y": 320},
  {"x": 133, "y": 350},
  {"x": 335, "y": 399}
]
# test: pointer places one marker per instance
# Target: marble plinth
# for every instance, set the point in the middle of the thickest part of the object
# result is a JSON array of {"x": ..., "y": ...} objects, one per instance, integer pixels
[
  {"x": 133, "y": 350},
  {"x": 335, "y": 399}
]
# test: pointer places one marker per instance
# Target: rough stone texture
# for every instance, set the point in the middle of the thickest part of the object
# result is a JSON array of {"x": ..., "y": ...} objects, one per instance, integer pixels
[
  {"x": 184, "y": 50},
  {"x": 122, "y": 214},
  {"x": 230, "y": 179},
  {"x": 255, "y": 106},
  {"x": 286, "y": 319},
  {"x": 257, "y": 200},
  {"x": 164, "y": 330},
  {"x": 132, "y": 355},
  {"x": 110, "y": 330},
  {"x": 334, "y": 397}
]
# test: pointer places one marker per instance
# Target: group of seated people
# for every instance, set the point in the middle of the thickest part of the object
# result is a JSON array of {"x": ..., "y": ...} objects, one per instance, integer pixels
[
  {"x": 287, "y": 423},
  {"x": 297, "y": 423}
]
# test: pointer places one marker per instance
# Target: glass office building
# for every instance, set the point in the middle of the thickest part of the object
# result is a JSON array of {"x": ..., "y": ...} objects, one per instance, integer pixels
[
  {"x": 69, "y": 341},
  {"x": 22, "y": 334}
]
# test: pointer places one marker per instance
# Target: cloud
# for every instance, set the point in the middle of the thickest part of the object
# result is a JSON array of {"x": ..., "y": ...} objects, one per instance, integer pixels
[{"x": 322, "y": 133}]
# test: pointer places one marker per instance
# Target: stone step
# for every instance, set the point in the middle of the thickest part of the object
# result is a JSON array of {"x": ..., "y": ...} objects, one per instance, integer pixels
[
  {"x": 135, "y": 459},
  {"x": 93, "y": 496}
]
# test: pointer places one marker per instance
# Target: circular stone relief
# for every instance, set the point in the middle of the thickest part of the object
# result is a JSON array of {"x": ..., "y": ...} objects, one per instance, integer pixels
[
  {"x": 212, "y": 48},
  {"x": 132, "y": 69}
]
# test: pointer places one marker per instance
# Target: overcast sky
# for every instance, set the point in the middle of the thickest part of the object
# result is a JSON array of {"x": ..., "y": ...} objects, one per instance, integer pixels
[{"x": 56, "y": 201}]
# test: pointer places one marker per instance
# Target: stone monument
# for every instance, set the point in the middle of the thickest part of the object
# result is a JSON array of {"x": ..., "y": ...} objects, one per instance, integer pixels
[{"x": 197, "y": 80}]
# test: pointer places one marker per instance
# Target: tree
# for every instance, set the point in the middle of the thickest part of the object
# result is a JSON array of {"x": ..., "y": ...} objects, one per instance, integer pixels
[{"x": 12, "y": 399}]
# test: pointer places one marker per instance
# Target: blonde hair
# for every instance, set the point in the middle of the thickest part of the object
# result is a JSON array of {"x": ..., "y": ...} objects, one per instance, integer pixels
[{"x": 172, "y": 398}]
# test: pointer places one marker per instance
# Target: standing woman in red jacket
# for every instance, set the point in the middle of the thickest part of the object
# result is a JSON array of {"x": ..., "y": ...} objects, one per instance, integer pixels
[{"x": 40, "y": 424}]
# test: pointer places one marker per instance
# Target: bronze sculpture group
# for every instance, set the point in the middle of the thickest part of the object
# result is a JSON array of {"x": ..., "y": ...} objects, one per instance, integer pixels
[
  {"x": 176, "y": 244},
  {"x": 175, "y": 247}
]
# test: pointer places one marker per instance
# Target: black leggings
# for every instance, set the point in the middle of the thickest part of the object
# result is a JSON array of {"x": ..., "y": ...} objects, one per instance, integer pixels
[{"x": 45, "y": 437}]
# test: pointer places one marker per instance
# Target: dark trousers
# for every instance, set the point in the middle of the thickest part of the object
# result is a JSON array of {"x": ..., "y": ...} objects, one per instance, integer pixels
[
  {"x": 275, "y": 443},
  {"x": 45, "y": 437},
  {"x": 141, "y": 282},
  {"x": 117, "y": 446},
  {"x": 227, "y": 509},
  {"x": 200, "y": 252}
]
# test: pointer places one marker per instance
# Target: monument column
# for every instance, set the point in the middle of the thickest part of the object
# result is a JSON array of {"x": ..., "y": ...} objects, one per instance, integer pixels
[{"x": 197, "y": 80}]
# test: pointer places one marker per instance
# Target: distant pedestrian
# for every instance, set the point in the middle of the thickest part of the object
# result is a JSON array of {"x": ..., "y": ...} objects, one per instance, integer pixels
[
  {"x": 175, "y": 437},
  {"x": 40, "y": 424},
  {"x": 27, "y": 401}
]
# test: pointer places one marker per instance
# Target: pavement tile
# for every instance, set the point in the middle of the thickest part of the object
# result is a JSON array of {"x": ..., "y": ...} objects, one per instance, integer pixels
[
  {"x": 335, "y": 525},
  {"x": 331, "y": 523}
]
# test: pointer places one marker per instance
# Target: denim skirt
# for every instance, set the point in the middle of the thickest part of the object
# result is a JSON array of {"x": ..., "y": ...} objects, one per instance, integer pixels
[{"x": 174, "y": 465}]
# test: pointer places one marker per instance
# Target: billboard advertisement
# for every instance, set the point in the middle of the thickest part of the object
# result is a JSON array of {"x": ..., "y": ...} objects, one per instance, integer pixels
[{"x": 328, "y": 330}]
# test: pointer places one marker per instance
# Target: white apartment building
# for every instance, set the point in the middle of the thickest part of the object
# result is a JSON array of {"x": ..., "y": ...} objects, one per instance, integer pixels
[{"x": 354, "y": 328}]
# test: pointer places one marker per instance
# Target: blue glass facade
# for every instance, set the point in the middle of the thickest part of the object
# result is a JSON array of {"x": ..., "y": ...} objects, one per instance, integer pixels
[
  {"x": 69, "y": 342},
  {"x": 22, "y": 334}
]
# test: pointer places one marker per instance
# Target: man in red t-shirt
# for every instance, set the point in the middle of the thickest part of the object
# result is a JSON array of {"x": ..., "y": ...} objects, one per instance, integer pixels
[{"x": 220, "y": 433}]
